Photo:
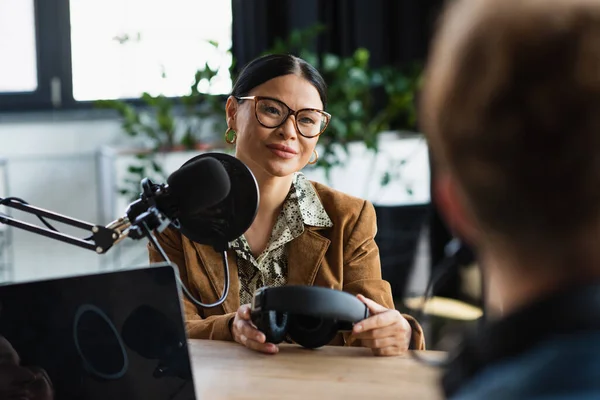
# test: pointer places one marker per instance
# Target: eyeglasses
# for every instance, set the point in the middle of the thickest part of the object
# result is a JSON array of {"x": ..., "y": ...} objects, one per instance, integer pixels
[{"x": 272, "y": 113}]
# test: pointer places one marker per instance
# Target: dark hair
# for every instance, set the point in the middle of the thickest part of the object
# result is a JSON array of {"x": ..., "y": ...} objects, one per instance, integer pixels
[
  {"x": 511, "y": 105},
  {"x": 265, "y": 68}
]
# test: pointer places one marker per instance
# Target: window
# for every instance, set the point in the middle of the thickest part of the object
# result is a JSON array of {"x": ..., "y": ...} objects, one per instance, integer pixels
[
  {"x": 18, "y": 69},
  {"x": 121, "y": 48},
  {"x": 67, "y": 53}
]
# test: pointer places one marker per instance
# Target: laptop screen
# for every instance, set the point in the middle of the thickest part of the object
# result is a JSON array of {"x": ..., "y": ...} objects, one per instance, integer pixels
[{"x": 104, "y": 336}]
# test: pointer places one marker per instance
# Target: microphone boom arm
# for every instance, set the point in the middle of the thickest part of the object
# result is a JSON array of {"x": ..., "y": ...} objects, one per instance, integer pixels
[
  {"x": 103, "y": 238},
  {"x": 161, "y": 206},
  {"x": 100, "y": 241}
]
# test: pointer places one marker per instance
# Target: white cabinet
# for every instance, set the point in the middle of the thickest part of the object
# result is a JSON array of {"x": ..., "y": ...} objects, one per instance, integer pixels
[{"x": 403, "y": 155}]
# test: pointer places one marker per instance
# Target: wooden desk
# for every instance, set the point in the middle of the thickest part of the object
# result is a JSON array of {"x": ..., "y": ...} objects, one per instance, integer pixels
[{"x": 227, "y": 370}]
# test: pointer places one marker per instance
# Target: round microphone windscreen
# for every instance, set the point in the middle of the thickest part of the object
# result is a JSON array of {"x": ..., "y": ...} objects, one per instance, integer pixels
[
  {"x": 230, "y": 217},
  {"x": 199, "y": 185}
]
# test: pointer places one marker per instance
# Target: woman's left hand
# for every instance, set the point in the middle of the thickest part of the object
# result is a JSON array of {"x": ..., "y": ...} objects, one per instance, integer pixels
[{"x": 386, "y": 332}]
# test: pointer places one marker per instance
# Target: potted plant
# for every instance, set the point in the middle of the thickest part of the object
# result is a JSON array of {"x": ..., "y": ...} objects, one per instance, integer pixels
[
  {"x": 159, "y": 126},
  {"x": 364, "y": 101}
]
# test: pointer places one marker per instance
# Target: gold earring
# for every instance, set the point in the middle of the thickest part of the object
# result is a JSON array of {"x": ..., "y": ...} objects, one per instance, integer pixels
[
  {"x": 316, "y": 157},
  {"x": 228, "y": 134}
]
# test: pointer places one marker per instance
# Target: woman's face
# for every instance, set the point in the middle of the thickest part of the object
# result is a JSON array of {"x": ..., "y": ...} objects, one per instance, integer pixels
[{"x": 274, "y": 151}]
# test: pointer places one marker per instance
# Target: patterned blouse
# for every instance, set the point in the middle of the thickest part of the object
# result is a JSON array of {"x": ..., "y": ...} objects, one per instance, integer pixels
[{"x": 302, "y": 206}]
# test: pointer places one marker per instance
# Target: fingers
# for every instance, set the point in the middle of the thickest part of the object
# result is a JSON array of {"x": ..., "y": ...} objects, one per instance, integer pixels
[
  {"x": 373, "y": 307},
  {"x": 379, "y": 339},
  {"x": 244, "y": 312},
  {"x": 385, "y": 332},
  {"x": 246, "y": 334},
  {"x": 268, "y": 348},
  {"x": 387, "y": 318},
  {"x": 244, "y": 328}
]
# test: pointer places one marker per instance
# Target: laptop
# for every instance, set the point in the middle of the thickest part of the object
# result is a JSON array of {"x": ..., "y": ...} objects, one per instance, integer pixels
[{"x": 112, "y": 335}]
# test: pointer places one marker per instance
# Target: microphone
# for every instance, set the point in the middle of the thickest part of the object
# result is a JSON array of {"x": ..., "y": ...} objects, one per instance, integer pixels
[
  {"x": 189, "y": 190},
  {"x": 151, "y": 334},
  {"x": 221, "y": 223},
  {"x": 212, "y": 199},
  {"x": 229, "y": 218}
]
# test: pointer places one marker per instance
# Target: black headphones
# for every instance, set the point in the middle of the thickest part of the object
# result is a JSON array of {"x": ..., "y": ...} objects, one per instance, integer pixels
[{"x": 309, "y": 315}]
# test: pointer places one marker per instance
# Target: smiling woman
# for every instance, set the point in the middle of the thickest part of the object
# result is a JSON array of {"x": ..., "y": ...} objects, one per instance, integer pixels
[
  {"x": 304, "y": 233},
  {"x": 289, "y": 151}
]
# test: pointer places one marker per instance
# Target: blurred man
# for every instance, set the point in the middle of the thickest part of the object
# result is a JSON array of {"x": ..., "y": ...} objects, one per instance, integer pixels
[{"x": 511, "y": 107}]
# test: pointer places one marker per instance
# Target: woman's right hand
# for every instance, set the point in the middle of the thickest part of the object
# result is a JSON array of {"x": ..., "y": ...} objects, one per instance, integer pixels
[{"x": 244, "y": 332}]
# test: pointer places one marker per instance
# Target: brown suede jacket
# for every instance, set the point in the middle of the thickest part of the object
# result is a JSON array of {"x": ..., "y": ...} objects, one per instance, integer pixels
[{"x": 343, "y": 257}]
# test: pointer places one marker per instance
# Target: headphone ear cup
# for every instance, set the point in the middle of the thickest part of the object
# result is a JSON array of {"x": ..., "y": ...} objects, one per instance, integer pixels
[
  {"x": 273, "y": 324},
  {"x": 311, "y": 332}
]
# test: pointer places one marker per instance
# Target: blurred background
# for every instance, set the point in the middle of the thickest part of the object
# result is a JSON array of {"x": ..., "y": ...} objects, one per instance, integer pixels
[{"x": 95, "y": 95}]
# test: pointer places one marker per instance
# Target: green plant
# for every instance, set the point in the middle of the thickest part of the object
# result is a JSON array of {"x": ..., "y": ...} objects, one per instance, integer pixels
[
  {"x": 364, "y": 102},
  {"x": 164, "y": 124}
]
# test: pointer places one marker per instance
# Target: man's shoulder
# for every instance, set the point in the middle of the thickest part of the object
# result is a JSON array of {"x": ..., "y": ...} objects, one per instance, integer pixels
[{"x": 563, "y": 367}]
